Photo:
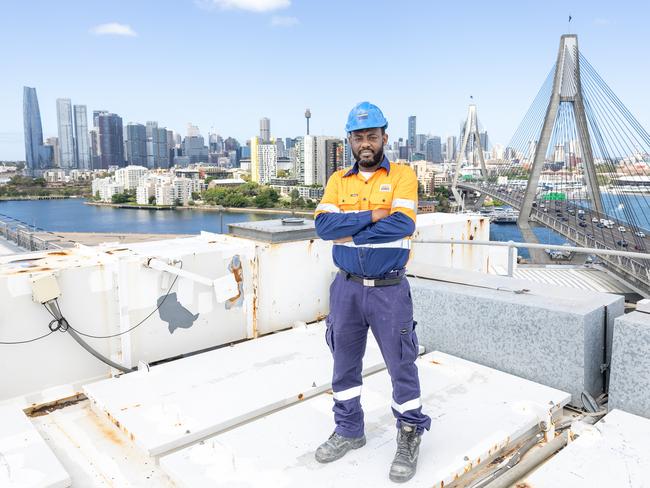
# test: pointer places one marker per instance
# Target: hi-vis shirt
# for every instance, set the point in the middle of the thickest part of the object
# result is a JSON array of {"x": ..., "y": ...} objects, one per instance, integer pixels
[{"x": 346, "y": 210}]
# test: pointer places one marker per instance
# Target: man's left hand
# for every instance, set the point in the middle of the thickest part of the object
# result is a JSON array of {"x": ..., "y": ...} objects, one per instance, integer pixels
[{"x": 343, "y": 239}]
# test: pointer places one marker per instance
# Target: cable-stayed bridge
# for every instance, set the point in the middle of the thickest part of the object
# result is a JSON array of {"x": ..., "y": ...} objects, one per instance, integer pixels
[{"x": 579, "y": 164}]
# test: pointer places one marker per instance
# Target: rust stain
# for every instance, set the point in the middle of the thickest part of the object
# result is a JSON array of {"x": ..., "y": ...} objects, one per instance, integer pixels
[
  {"x": 301, "y": 396},
  {"x": 433, "y": 361},
  {"x": 238, "y": 273},
  {"x": 523, "y": 485},
  {"x": 58, "y": 253}
]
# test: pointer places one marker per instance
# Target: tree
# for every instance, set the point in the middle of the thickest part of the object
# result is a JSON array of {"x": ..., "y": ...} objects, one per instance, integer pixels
[
  {"x": 196, "y": 195},
  {"x": 178, "y": 202},
  {"x": 120, "y": 198},
  {"x": 152, "y": 200}
]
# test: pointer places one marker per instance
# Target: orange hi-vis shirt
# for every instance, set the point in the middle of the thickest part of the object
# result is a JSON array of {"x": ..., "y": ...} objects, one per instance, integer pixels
[{"x": 346, "y": 210}]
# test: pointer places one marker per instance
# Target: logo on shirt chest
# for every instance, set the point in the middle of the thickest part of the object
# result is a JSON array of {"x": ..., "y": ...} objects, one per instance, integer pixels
[{"x": 386, "y": 187}]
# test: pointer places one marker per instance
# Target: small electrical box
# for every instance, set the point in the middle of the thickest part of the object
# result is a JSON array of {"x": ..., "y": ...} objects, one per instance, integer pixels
[{"x": 45, "y": 288}]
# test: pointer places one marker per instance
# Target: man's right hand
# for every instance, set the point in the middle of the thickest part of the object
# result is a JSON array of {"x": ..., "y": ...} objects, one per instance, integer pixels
[{"x": 379, "y": 213}]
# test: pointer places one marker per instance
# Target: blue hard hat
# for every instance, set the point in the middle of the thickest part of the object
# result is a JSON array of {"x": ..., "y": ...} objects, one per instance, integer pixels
[{"x": 365, "y": 115}]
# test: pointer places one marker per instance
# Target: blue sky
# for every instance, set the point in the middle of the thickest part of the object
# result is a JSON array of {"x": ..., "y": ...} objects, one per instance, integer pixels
[{"x": 227, "y": 63}]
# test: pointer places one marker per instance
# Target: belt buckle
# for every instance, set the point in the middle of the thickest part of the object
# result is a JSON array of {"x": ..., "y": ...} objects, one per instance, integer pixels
[{"x": 368, "y": 282}]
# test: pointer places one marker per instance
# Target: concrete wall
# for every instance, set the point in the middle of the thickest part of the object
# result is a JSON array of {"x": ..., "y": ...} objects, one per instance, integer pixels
[
  {"x": 629, "y": 388},
  {"x": 530, "y": 330}
]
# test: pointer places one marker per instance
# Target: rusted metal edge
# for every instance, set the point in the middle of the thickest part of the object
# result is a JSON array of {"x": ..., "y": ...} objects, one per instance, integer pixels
[{"x": 39, "y": 410}]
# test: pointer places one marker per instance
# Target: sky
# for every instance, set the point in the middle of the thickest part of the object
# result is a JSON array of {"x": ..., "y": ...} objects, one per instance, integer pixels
[{"x": 224, "y": 64}]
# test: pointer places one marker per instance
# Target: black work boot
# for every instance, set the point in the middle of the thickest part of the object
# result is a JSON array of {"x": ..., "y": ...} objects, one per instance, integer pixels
[
  {"x": 336, "y": 446},
  {"x": 406, "y": 458}
]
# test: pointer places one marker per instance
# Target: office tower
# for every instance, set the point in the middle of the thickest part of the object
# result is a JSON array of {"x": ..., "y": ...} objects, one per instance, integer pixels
[
  {"x": 82, "y": 141},
  {"x": 411, "y": 135},
  {"x": 67, "y": 159},
  {"x": 110, "y": 144},
  {"x": 37, "y": 156},
  {"x": 434, "y": 150},
  {"x": 265, "y": 130},
  {"x": 94, "y": 148},
  {"x": 451, "y": 148},
  {"x": 194, "y": 146},
  {"x": 484, "y": 140},
  {"x": 404, "y": 152},
  {"x": 54, "y": 142},
  {"x": 157, "y": 153},
  {"x": 420, "y": 142},
  {"x": 136, "y": 144}
]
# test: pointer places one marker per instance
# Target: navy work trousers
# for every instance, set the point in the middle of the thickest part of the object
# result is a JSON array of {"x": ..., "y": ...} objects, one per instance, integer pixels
[{"x": 388, "y": 311}]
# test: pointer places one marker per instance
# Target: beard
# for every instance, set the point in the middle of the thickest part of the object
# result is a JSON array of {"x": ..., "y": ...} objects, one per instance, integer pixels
[{"x": 369, "y": 162}]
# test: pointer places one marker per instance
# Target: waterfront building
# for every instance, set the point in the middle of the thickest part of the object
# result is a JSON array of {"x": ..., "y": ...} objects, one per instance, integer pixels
[
  {"x": 129, "y": 176},
  {"x": 67, "y": 159},
  {"x": 37, "y": 156},
  {"x": 105, "y": 188},
  {"x": 82, "y": 141}
]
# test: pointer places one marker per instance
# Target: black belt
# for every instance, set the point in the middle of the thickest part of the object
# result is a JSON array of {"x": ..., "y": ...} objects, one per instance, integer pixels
[{"x": 371, "y": 282}]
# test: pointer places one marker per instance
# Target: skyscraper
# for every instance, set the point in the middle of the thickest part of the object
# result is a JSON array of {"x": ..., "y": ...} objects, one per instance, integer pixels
[
  {"x": 157, "y": 154},
  {"x": 451, "y": 148},
  {"x": 37, "y": 156},
  {"x": 434, "y": 150},
  {"x": 136, "y": 144},
  {"x": 54, "y": 142},
  {"x": 66, "y": 134},
  {"x": 265, "y": 130},
  {"x": 411, "y": 138},
  {"x": 111, "y": 140},
  {"x": 82, "y": 140}
]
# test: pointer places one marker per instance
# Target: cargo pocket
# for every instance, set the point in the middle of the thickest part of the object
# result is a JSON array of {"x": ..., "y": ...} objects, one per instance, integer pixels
[
  {"x": 329, "y": 334},
  {"x": 409, "y": 342}
]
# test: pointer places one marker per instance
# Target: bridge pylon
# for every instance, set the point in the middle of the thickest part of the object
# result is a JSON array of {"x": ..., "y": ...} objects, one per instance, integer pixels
[
  {"x": 567, "y": 88},
  {"x": 470, "y": 133}
]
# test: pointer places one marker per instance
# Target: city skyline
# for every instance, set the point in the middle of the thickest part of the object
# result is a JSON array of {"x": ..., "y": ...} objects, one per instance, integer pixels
[{"x": 231, "y": 99}]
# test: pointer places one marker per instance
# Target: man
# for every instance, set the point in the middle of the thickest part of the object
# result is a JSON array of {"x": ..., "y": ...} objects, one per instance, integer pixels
[{"x": 369, "y": 213}]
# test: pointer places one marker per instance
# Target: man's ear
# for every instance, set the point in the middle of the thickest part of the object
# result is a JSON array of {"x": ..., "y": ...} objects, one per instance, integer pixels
[{"x": 385, "y": 137}]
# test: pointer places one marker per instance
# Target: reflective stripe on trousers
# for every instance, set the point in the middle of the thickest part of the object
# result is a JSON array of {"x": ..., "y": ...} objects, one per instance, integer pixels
[{"x": 388, "y": 312}]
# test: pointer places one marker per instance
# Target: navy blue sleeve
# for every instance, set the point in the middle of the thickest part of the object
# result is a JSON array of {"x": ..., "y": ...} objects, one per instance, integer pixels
[
  {"x": 392, "y": 228},
  {"x": 331, "y": 225}
]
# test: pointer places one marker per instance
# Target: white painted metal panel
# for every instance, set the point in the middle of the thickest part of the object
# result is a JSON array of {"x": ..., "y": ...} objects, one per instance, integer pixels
[
  {"x": 25, "y": 460},
  {"x": 177, "y": 403},
  {"x": 475, "y": 411},
  {"x": 613, "y": 452}
]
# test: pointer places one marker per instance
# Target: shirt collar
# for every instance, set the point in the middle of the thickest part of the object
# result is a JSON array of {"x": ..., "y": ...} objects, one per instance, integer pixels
[{"x": 355, "y": 169}]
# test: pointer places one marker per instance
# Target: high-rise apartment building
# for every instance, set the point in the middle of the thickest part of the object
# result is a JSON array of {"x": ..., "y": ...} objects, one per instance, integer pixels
[
  {"x": 111, "y": 140},
  {"x": 136, "y": 144},
  {"x": 310, "y": 172},
  {"x": 37, "y": 155},
  {"x": 334, "y": 157},
  {"x": 82, "y": 140},
  {"x": 67, "y": 158},
  {"x": 264, "y": 161},
  {"x": 265, "y": 130}
]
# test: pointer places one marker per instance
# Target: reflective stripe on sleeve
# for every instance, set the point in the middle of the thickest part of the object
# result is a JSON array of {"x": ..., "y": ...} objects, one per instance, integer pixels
[
  {"x": 404, "y": 203},
  {"x": 348, "y": 394},
  {"x": 406, "y": 406},
  {"x": 327, "y": 207},
  {"x": 399, "y": 244}
]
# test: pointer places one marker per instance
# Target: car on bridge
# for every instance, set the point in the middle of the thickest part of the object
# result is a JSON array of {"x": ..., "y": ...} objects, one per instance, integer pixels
[
  {"x": 639, "y": 234},
  {"x": 622, "y": 243},
  {"x": 621, "y": 228},
  {"x": 582, "y": 224}
]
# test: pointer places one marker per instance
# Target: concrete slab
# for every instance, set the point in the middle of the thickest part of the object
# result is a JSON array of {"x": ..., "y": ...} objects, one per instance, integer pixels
[
  {"x": 25, "y": 460},
  {"x": 629, "y": 388},
  {"x": 557, "y": 341},
  {"x": 613, "y": 452},
  {"x": 180, "y": 402},
  {"x": 476, "y": 411}
]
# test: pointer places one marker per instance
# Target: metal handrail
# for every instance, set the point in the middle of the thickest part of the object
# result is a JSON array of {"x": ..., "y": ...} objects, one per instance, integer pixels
[{"x": 511, "y": 245}]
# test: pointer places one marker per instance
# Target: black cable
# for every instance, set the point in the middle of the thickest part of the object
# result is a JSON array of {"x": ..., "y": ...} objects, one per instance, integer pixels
[{"x": 29, "y": 340}]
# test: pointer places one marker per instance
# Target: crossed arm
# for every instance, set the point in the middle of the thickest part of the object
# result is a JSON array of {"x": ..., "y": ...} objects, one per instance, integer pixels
[{"x": 366, "y": 227}]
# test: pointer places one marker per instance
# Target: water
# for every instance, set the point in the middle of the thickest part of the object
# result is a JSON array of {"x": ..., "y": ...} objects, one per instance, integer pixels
[{"x": 73, "y": 216}]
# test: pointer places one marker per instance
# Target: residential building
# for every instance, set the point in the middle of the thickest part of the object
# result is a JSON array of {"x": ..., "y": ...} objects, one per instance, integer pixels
[
  {"x": 136, "y": 144},
  {"x": 265, "y": 130},
  {"x": 129, "y": 176},
  {"x": 411, "y": 133}
]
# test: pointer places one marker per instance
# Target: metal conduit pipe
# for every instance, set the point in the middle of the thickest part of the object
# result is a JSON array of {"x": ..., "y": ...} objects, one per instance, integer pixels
[
  {"x": 530, "y": 462},
  {"x": 97, "y": 354}
]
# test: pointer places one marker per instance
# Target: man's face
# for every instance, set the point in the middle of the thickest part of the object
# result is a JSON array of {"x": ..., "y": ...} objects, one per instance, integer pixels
[{"x": 368, "y": 146}]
